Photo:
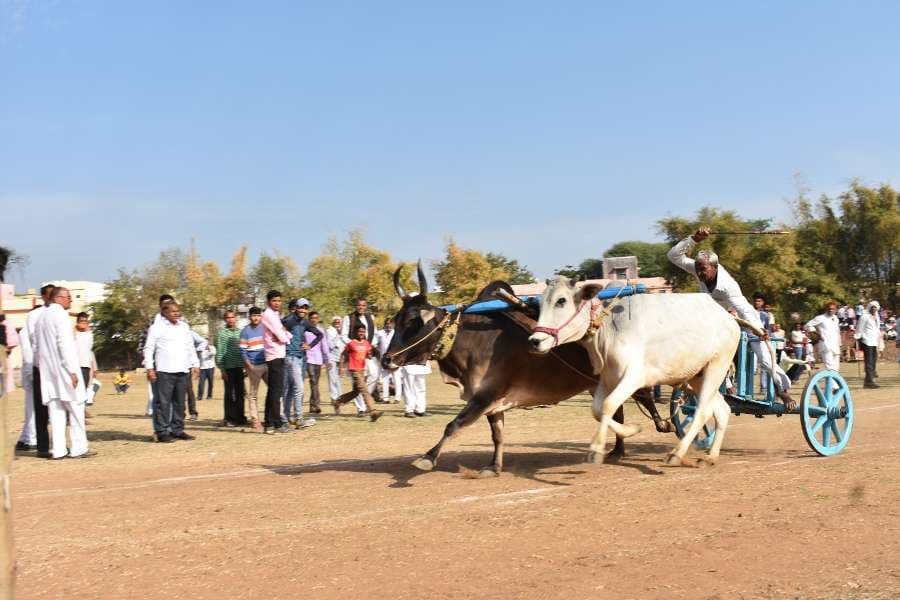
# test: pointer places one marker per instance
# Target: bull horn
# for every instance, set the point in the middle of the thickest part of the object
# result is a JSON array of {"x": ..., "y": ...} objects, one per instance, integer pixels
[
  {"x": 400, "y": 291},
  {"x": 423, "y": 283}
]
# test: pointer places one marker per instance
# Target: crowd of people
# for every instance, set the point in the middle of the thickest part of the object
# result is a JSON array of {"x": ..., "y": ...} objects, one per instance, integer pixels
[{"x": 288, "y": 353}]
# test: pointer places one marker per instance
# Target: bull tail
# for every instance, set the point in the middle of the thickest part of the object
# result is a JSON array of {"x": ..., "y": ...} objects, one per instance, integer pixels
[{"x": 748, "y": 325}]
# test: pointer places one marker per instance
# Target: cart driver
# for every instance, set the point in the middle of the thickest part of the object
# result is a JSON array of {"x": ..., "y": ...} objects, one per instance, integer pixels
[{"x": 719, "y": 284}]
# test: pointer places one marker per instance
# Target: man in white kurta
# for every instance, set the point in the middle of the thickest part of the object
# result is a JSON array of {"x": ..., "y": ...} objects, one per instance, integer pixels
[
  {"x": 382, "y": 343},
  {"x": 827, "y": 326},
  {"x": 868, "y": 332},
  {"x": 41, "y": 416},
  {"x": 62, "y": 386},
  {"x": 335, "y": 348},
  {"x": 721, "y": 286}
]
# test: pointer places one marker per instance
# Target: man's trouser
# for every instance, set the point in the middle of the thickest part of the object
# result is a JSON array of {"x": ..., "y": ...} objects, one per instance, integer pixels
[
  {"x": 255, "y": 373},
  {"x": 168, "y": 402},
  {"x": 275, "y": 370},
  {"x": 292, "y": 403},
  {"x": 29, "y": 435},
  {"x": 234, "y": 396},
  {"x": 73, "y": 412},
  {"x": 334, "y": 381},
  {"x": 41, "y": 414},
  {"x": 870, "y": 355},
  {"x": 386, "y": 377},
  {"x": 413, "y": 392},
  {"x": 315, "y": 372},
  {"x": 359, "y": 389},
  {"x": 782, "y": 381},
  {"x": 831, "y": 360},
  {"x": 191, "y": 401},
  {"x": 206, "y": 375}
]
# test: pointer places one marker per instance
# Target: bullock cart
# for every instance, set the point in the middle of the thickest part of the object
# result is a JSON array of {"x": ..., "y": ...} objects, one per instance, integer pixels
[{"x": 825, "y": 409}]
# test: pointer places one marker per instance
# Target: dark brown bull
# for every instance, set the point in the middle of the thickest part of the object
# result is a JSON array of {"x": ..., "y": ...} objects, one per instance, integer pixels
[{"x": 491, "y": 362}]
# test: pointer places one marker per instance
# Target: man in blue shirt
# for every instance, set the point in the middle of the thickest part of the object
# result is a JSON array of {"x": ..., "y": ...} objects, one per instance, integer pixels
[{"x": 295, "y": 362}]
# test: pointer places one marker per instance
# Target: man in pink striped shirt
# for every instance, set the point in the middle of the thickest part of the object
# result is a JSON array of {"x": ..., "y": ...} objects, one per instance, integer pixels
[{"x": 275, "y": 340}]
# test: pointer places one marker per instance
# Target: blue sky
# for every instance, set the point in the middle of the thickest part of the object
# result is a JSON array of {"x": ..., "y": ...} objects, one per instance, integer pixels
[{"x": 545, "y": 131}]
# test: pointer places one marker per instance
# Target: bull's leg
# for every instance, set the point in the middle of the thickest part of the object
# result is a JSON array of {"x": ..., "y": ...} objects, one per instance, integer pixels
[
  {"x": 496, "y": 421},
  {"x": 722, "y": 413},
  {"x": 473, "y": 409},
  {"x": 618, "y": 450},
  {"x": 644, "y": 397},
  {"x": 709, "y": 402},
  {"x": 604, "y": 408}
]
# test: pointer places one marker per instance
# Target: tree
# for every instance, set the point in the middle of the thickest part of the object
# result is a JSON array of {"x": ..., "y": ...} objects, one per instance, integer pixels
[
  {"x": 119, "y": 319},
  {"x": 463, "y": 273},
  {"x": 516, "y": 274},
  {"x": 274, "y": 272},
  {"x": 651, "y": 256},
  {"x": 235, "y": 285}
]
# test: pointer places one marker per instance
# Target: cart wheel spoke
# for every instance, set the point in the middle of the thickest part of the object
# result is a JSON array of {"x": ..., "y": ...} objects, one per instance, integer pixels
[
  {"x": 821, "y": 396},
  {"x": 838, "y": 436},
  {"x": 819, "y": 422},
  {"x": 825, "y": 435}
]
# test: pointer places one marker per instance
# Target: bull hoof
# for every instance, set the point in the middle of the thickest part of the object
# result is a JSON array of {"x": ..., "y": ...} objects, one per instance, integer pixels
[
  {"x": 672, "y": 460},
  {"x": 664, "y": 427},
  {"x": 423, "y": 463},
  {"x": 707, "y": 461},
  {"x": 595, "y": 458},
  {"x": 614, "y": 455}
]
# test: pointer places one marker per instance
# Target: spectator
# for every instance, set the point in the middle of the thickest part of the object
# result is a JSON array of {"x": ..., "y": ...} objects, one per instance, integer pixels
[
  {"x": 414, "y": 389},
  {"x": 231, "y": 365},
  {"x": 798, "y": 341},
  {"x": 275, "y": 341},
  {"x": 253, "y": 354},
  {"x": 335, "y": 349},
  {"x": 778, "y": 338},
  {"x": 317, "y": 356},
  {"x": 84, "y": 342},
  {"x": 121, "y": 382},
  {"x": 793, "y": 366},
  {"x": 295, "y": 362},
  {"x": 151, "y": 389},
  {"x": 207, "y": 358},
  {"x": 62, "y": 386},
  {"x": 170, "y": 358},
  {"x": 759, "y": 303},
  {"x": 28, "y": 437},
  {"x": 826, "y": 329},
  {"x": 355, "y": 354},
  {"x": 360, "y": 317},
  {"x": 382, "y": 343},
  {"x": 9, "y": 340},
  {"x": 868, "y": 333},
  {"x": 40, "y": 415}
]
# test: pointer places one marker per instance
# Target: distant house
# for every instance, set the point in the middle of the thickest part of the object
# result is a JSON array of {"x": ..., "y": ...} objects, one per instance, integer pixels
[{"x": 615, "y": 269}]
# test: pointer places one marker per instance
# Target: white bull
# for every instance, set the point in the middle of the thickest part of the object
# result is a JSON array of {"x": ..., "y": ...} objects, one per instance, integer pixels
[{"x": 644, "y": 340}]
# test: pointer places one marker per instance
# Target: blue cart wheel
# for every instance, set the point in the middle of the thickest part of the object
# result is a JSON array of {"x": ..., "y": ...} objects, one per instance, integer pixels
[
  {"x": 683, "y": 414},
  {"x": 826, "y": 412}
]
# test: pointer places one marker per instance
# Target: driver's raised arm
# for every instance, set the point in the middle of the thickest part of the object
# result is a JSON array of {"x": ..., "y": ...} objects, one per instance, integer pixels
[{"x": 678, "y": 255}]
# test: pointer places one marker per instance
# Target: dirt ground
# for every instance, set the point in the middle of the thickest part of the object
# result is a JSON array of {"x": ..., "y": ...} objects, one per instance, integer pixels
[{"x": 336, "y": 511}]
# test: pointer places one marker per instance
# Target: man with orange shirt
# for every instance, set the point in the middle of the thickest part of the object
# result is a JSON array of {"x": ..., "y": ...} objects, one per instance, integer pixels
[{"x": 355, "y": 353}]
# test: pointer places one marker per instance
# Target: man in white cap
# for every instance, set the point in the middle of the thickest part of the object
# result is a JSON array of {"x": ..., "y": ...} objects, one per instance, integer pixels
[
  {"x": 868, "y": 332},
  {"x": 721, "y": 286}
]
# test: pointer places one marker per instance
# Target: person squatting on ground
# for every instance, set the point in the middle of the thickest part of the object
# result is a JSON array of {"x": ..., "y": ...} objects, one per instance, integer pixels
[
  {"x": 354, "y": 356},
  {"x": 719, "y": 284},
  {"x": 275, "y": 340},
  {"x": 62, "y": 386},
  {"x": 295, "y": 362},
  {"x": 868, "y": 334},
  {"x": 231, "y": 365},
  {"x": 254, "y": 357},
  {"x": 170, "y": 359},
  {"x": 317, "y": 356},
  {"x": 121, "y": 382}
]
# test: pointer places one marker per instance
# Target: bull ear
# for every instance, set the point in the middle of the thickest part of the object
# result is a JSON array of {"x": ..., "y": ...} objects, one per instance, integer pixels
[
  {"x": 400, "y": 291},
  {"x": 423, "y": 283},
  {"x": 547, "y": 281},
  {"x": 574, "y": 281},
  {"x": 427, "y": 314},
  {"x": 590, "y": 290}
]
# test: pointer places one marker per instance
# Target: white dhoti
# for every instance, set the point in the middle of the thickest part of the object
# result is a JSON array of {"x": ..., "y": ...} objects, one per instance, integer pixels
[
  {"x": 386, "y": 377},
  {"x": 60, "y": 412},
  {"x": 414, "y": 391},
  {"x": 29, "y": 433},
  {"x": 782, "y": 381},
  {"x": 830, "y": 358},
  {"x": 334, "y": 381}
]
